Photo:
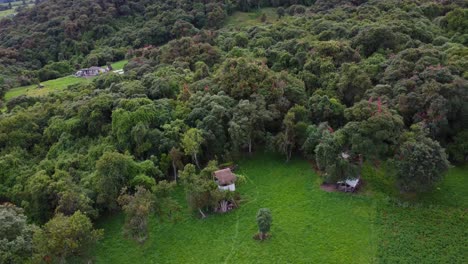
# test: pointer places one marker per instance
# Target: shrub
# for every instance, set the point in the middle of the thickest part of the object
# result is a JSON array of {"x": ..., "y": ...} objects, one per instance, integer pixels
[{"x": 264, "y": 220}]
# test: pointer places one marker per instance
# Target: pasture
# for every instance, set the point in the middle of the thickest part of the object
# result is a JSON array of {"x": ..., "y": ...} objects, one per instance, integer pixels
[
  {"x": 309, "y": 225},
  {"x": 54, "y": 85}
]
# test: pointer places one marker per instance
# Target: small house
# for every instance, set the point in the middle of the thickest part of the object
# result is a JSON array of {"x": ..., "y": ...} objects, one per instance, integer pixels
[
  {"x": 90, "y": 72},
  {"x": 225, "y": 179}
]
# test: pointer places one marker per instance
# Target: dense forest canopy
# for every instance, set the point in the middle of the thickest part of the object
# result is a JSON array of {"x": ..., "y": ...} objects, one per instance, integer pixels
[{"x": 339, "y": 82}]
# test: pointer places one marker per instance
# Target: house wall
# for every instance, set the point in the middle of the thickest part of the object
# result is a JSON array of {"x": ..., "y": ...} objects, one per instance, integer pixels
[{"x": 231, "y": 187}]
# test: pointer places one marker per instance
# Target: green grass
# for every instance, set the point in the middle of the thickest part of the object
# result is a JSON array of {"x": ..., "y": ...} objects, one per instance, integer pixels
[
  {"x": 243, "y": 19},
  {"x": 54, "y": 85},
  {"x": 7, "y": 12},
  {"x": 49, "y": 86},
  {"x": 119, "y": 64},
  {"x": 309, "y": 225}
]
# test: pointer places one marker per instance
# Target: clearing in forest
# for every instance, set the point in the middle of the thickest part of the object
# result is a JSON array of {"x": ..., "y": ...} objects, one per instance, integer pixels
[{"x": 309, "y": 225}]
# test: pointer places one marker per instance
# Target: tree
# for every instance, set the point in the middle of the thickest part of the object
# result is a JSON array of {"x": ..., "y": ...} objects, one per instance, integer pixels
[
  {"x": 280, "y": 12},
  {"x": 248, "y": 122},
  {"x": 176, "y": 161},
  {"x": 333, "y": 160},
  {"x": 73, "y": 200},
  {"x": 137, "y": 208},
  {"x": 165, "y": 206},
  {"x": 15, "y": 235},
  {"x": 202, "y": 192},
  {"x": 191, "y": 142},
  {"x": 113, "y": 170},
  {"x": 353, "y": 83},
  {"x": 325, "y": 109},
  {"x": 420, "y": 164},
  {"x": 65, "y": 236},
  {"x": 264, "y": 220},
  {"x": 293, "y": 130}
]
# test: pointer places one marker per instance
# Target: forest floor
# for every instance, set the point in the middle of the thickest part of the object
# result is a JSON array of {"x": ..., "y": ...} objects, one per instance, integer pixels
[
  {"x": 54, "y": 85},
  {"x": 309, "y": 225}
]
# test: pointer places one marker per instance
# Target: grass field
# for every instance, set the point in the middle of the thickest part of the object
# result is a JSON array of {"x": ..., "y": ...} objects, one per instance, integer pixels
[
  {"x": 54, "y": 85},
  {"x": 241, "y": 19},
  {"x": 309, "y": 225},
  {"x": 8, "y": 12}
]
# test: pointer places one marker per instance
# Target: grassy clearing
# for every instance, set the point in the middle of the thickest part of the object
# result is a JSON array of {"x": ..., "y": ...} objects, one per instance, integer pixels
[
  {"x": 309, "y": 225},
  {"x": 12, "y": 11},
  {"x": 7, "y": 12},
  {"x": 49, "y": 86},
  {"x": 119, "y": 64},
  {"x": 244, "y": 19},
  {"x": 54, "y": 85}
]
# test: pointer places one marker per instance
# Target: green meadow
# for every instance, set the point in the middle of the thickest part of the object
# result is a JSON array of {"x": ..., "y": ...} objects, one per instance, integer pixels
[
  {"x": 54, "y": 85},
  {"x": 309, "y": 225}
]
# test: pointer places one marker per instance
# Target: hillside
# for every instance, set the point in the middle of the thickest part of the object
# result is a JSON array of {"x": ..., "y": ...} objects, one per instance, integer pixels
[{"x": 333, "y": 91}]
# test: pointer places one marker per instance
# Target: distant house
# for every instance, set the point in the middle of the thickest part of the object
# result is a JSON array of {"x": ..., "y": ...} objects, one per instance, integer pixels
[
  {"x": 225, "y": 179},
  {"x": 90, "y": 72}
]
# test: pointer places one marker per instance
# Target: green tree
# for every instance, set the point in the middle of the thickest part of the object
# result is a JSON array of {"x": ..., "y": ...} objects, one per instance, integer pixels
[
  {"x": 280, "y": 12},
  {"x": 137, "y": 209},
  {"x": 332, "y": 159},
  {"x": 65, "y": 236},
  {"x": 15, "y": 235},
  {"x": 202, "y": 192},
  {"x": 248, "y": 122},
  {"x": 191, "y": 142},
  {"x": 420, "y": 164},
  {"x": 176, "y": 161},
  {"x": 264, "y": 221},
  {"x": 113, "y": 171},
  {"x": 293, "y": 132},
  {"x": 72, "y": 200}
]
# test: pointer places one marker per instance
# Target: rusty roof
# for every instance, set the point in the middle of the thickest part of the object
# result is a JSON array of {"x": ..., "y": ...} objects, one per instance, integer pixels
[{"x": 225, "y": 176}]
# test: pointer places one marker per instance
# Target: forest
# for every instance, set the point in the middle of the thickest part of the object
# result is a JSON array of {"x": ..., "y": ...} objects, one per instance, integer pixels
[{"x": 349, "y": 86}]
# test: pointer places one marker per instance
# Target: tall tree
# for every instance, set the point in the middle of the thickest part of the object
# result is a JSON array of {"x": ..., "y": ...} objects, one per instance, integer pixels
[
  {"x": 176, "y": 161},
  {"x": 420, "y": 164},
  {"x": 191, "y": 142},
  {"x": 65, "y": 236},
  {"x": 137, "y": 208},
  {"x": 15, "y": 235},
  {"x": 248, "y": 121},
  {"x": 293, "y": 131}
]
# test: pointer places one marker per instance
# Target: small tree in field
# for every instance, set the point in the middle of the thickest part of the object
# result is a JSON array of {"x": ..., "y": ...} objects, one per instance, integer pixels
[
  {"x": 264, "y": 222},
  {"x": 137, "y": 209}
]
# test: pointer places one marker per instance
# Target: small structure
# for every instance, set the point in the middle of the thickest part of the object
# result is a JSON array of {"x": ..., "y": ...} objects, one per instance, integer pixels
[
  {"x": 225, "y": 179},
  {"x": 119, "y": 71},
  {"x": 90, "y": 72},
  {"x": 349, "y": 185}
]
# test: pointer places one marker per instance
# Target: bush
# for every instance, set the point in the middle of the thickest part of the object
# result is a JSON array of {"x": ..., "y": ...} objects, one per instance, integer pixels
[{"x": 264, "y": 220}]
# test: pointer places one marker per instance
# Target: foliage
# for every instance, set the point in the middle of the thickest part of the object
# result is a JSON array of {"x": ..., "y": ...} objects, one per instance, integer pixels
[
  {"x": 341, "y": 82},
  {"x": 137, "y": 209},
  {"x": 65, "y": 236},
  {"x": 420, "y": 164},
  {"x": 201, "y": 190},
  {"x": 264, "y": 220},
  {"x": 15, "y": 235}
]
